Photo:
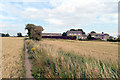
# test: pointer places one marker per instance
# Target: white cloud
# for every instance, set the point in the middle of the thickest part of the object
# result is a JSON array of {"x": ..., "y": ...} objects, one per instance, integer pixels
[
  {"x": 24, "y": 0},
  {"x": 7, "y": 17},
  {"x": 54, "y": 21},
  {"x": 9, "y": 25},
  {"x": 76, "y": 12},
  {"x": 31, "y": 9},
  {"x": 68, "y": 12}
]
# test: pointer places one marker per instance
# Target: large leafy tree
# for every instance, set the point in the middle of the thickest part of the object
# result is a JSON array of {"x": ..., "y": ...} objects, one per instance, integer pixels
[
  {"x": 29, "y": 27},
  {"x": 34, "y": 32}
]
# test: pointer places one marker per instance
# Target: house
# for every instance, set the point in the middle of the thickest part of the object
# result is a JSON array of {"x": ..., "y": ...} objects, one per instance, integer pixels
[
  {"x": 51, "y": 34},
  {"x": 78, "y": 33},
  {"x": 101, "y": 36}
]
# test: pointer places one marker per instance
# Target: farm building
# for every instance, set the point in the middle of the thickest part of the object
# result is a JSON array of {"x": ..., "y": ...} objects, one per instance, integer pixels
[
  {"x": 101, "y": 36},
  {"x": 51, "y": 34},
  {"x": 78, "y": 33}
]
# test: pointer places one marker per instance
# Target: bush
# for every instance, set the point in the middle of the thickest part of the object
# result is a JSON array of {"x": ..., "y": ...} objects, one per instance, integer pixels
[{"x": 111, "y": 40}]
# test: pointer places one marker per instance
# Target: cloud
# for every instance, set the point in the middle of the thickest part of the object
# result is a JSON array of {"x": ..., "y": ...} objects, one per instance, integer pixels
[
  {"x": 62, "y": 13},
  {"x": 76, "y": 12},
  {"x": 31, "y": 9},
  {"x": 24, "y": 0},
  {"x": 9, "y": 25},
  {"x": 7, "y": 17},
  {"x": 54, "y": 21}
]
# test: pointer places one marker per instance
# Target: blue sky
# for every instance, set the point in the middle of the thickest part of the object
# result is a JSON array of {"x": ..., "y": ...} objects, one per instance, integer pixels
[{"x": 59, "y": 15}]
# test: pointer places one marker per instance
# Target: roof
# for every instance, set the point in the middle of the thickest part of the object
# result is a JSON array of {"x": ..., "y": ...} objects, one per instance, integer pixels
[
  {"x": 98, "y": 34},
  {"x": 74, "y": 31},
  {"x": 51, "y": 34}
]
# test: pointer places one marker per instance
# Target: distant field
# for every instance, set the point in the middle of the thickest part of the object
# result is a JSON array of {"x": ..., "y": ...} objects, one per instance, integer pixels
[
  {"x": 73, "y": 59},
  {"x": 12, "y": 57}
]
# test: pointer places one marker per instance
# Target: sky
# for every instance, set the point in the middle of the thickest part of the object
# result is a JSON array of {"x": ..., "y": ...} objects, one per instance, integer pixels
[{"x": 58, "y": 16}]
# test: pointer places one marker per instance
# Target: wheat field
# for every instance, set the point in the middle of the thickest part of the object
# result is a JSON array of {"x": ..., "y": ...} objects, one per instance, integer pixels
[
  {"x": 53, "y": 58},
  {"x": 105, "y": 51},
  {"x": 73, "y": 59},
  {"x": 12, "y": 57}
]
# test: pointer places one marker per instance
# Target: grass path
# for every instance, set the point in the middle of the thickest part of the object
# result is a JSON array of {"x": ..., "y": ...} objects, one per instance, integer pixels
[{"x": 28, "y": 65}]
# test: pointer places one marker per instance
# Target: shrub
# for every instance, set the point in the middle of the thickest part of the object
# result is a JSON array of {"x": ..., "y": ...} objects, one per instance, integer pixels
[{"x": 111, "y": 40}]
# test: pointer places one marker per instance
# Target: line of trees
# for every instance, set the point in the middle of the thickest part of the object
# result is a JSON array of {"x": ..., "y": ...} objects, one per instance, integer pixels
[
  {"x": 34, "y": 32},
  {"x": 4, "y": 35},
  {"x": 8, "y": 35}
]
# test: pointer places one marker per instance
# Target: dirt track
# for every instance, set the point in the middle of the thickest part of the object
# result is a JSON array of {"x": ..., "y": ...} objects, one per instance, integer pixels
[{"x": 28, "y": 65}]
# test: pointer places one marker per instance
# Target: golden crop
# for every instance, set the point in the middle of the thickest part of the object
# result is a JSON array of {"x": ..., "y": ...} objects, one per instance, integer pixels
[
  {"x": 105, "y": 51},
  {"x": 12, "y": 54},
  {"x": 72, "y": 58}
]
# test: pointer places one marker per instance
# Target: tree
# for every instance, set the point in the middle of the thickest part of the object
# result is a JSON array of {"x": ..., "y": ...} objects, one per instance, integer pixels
[
  {"x": 89, "y": 37},
  {"x": 64, "y": 34},
  {"x": 93, "y": 32},
  {"x": 7, "y": 35},
  {"x": 19, "y": 34},
  {"x": 80, "y": 30},
  {"x": 29, "y": 27},
  {"x": 34, "y": 32},
  {"x": 72, "y": 30},
  {"x": 83, "y": 32}
]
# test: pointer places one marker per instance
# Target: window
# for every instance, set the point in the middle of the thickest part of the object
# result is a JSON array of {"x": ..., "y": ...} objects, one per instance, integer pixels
[
  {"x": 70, "y": 34},
  {"x": 78, "y": 37},
  {"x": 78, "y": 33},
  {"x": 74, "y": 33}
]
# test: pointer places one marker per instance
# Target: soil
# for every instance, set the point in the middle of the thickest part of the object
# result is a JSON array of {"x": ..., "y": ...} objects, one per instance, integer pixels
[{"x": 28, "y": 65}]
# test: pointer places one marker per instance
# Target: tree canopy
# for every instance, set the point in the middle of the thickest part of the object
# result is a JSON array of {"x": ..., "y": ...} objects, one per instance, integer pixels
[
  {"x": 7, "y": 35},
  {"x": 34, "y": 32},
  {"x": 64, "y": 34},
  {"x": 76, "y": 30},
  {"x": 19, "y": 34},
  {"x": 93, "y": 32}
]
